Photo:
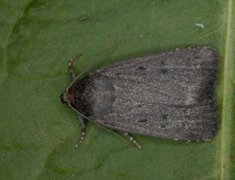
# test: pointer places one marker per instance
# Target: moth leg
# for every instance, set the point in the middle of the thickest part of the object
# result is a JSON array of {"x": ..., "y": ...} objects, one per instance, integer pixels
[
  {"x": 71, "y": 68},
  {"x": 132, "y": 139},
  {"x": 82, "y": 124}
]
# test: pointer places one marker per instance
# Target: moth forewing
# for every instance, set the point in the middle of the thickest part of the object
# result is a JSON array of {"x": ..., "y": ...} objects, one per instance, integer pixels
[{"x": 167, "y": 95}]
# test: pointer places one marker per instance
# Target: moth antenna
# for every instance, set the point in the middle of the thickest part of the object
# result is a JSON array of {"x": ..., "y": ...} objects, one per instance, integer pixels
[
  {"x": 71, "y": 62},
  {"x": 82, "y": 130},
  {"x": 72, "y": 72},
  {"x": 126, "y": 134},
  {"x": 89, "y": 119},
  {"x": 132, "y": 140}
]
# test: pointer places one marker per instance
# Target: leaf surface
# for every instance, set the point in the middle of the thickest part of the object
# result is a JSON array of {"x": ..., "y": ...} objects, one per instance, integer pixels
[{"x": 38, "y": 133}]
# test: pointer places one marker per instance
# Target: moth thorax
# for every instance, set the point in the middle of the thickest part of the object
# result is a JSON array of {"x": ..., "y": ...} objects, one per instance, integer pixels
[{"x": 66, "y": 97}]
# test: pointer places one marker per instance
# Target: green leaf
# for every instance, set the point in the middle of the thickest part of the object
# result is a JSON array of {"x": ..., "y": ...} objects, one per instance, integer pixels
[{"x": 38, "y": 133}]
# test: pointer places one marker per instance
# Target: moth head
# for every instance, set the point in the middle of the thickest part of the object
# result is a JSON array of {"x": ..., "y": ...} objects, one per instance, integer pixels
[{"x": 65, "y": 98}]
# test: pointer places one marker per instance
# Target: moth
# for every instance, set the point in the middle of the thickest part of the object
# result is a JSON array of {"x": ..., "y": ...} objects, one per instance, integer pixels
[{"x": 166, "y": 95}]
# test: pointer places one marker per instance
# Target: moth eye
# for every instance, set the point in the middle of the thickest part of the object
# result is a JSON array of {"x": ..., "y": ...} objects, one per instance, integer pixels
[{"x": 62, "y": 99}]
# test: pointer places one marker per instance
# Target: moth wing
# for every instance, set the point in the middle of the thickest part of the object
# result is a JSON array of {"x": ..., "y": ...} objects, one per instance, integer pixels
[{"x": 167, "y": 95}]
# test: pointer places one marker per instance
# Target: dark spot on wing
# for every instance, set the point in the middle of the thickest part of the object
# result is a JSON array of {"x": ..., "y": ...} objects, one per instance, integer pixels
[
  {"x": 143, "y": 120},
  {"x": 162, "y": 63},
  {"x": 164, "y": 71},
  {"x": 163, "y": 126},
  {"x": 164, "y": 116},
  {"x": 164, "y": 123},
  {"x": 196, "y": 57},
  {"x": 141, "y": 68}
]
